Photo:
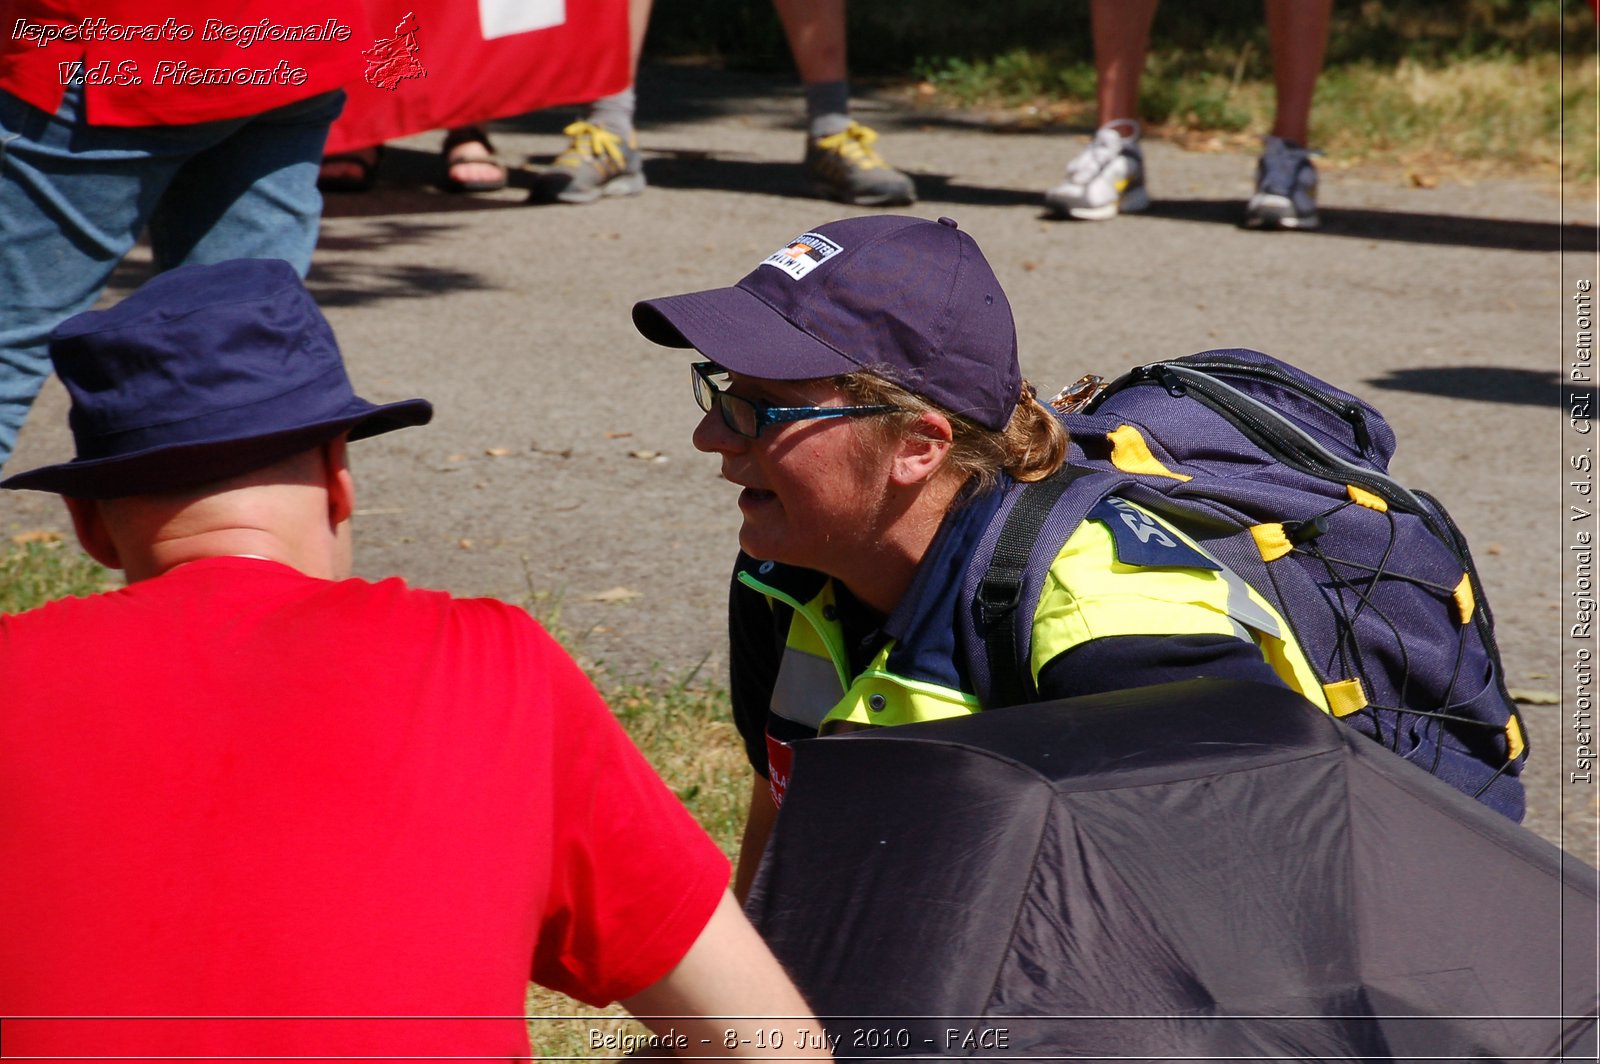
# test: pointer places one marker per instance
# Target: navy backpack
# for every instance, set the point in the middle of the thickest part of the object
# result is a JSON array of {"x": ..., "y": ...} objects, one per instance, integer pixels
[{"x": 1284, "y": 479}]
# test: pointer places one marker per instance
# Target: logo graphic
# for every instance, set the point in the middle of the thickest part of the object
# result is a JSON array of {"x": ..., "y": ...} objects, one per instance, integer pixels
[
  {"x": 392, "y": 60},
  {"x": 1139, "y": 540},
  {"x": 804, "y": 254}
]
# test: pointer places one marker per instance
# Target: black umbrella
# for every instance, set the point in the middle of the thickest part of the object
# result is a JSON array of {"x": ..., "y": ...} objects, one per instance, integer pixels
[{"x": 1199, "y": 870}]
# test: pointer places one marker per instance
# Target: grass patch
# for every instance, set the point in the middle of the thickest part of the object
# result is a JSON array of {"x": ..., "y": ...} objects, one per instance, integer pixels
[
  {"x": 38, "y": 567},
  {"x": 1479, "y": 115},
  {"x": 1493, "y": 114},
  {"x": 1450, "y": 87},
  {"x": 1015, "y": 77}
]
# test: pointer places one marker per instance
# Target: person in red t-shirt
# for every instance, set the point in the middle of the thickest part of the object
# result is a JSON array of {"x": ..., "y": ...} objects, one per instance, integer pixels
[
  {"x": 202, "y": 122},
  {"x": 252, "y": 807}
]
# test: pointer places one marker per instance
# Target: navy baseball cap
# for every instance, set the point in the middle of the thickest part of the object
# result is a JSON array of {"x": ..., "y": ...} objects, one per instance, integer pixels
[
  {"x": 910, "y": 299},
  {"x": 203, "y": 373}
]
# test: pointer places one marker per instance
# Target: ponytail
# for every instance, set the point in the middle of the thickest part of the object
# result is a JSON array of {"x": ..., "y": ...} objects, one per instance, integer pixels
[{"x": 1032, "y": 445}]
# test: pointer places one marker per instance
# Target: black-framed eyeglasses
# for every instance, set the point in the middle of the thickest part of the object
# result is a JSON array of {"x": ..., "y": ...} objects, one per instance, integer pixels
[{"x": 748, "y": 417}]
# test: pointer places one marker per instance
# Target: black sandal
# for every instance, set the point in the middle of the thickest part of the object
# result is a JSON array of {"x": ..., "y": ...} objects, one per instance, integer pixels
[
  {"x": 470, "y": 135},
  {"x": 362, "y": 180}
]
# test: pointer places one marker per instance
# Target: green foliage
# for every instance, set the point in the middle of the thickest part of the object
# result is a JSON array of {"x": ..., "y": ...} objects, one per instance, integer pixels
[
  {"x": 1485, "y": 109},
  {"x": 36, "y": 571},
  {"x": 1011, "y": 77},
  {"x": 685, "y": 730},
  {"x": 893, "y": 39},
  {"x": 1417, "y": 83},
  {"x": 1576, "y": 129},
  {"x": 1203, "y": 91}
]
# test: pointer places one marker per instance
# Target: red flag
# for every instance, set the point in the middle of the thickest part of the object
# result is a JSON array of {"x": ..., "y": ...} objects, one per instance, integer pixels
[{"x": 435, "y": 64}]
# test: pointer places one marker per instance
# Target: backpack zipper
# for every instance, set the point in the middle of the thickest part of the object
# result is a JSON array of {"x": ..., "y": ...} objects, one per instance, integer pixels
[
  {"x": 1276, "y": 433},
  {"x": 1350, "y": 412},
  {"x": 1293, "y": 446}
]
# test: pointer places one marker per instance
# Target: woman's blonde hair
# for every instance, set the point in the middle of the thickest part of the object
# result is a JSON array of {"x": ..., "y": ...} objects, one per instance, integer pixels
[{"x": 1032, "y": 446}]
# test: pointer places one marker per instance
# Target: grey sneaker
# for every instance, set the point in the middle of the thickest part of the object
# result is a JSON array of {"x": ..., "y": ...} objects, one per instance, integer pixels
[
  {"x": 1105, "y": 179},
  {"x": 845, "y": 167},
  {"x": 1286, "y": 188},
  {"x": 597, "y": 163}
]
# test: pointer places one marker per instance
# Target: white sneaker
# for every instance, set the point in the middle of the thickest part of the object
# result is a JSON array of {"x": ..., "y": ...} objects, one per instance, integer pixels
[{"x": 1106, "y": 178}]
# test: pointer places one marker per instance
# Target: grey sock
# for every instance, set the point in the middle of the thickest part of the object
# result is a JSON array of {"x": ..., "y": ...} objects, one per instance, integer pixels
[
  {"x": 615, "y": 112},
  {"x": 827, "y": 108}
]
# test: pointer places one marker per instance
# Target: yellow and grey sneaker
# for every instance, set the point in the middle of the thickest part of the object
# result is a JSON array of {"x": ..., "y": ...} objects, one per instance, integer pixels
[
  {"x": 1105, "y": 179},
  {"x": 597, "y": 163},
  {"x": 846, "y": 167}
]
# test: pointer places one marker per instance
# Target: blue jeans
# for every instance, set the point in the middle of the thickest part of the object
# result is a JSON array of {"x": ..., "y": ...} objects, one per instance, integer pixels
[{"x": 75, "y": 197}]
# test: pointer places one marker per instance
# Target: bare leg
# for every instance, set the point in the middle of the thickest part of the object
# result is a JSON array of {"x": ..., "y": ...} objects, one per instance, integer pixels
[
  {"x": 840, "y": 160},
  {"x": 616, "y": 112},
  {"x": 1121, "y": 31},
  {"x": 1298, "y": 31},
  {"x": 815, "y": 29},
  {"x": 471, "y": 160},
  {"x": 638, "y": 24},
  {"x": 1107, "y": 177}
]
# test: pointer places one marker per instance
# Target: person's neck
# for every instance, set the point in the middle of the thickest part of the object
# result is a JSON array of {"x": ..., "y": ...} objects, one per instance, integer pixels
[
  {"x": 312, "y": 555},
  {"x": 164, "y": 557},
  {"x": 881, "y": 575}
]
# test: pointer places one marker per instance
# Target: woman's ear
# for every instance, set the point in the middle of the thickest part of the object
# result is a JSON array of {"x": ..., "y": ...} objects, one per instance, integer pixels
[{"x": 922, "y": 449}]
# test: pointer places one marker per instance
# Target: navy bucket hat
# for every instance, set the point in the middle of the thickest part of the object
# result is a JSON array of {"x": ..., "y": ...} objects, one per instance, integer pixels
[
  {"x": 203, "y": 373},
  {"x": 908, "y": 298}
]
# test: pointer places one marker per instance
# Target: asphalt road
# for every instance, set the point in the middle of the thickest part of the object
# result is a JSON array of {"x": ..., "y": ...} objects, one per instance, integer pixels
[{"x": 559, "y": 466}]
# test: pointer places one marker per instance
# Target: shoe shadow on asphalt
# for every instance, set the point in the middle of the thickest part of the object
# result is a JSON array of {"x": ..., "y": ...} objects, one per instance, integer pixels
[
  {"x": 345, "y": 282},
  {"x": 682, "y": 168},
  {"x": 1486, "y": 384},
  {"x": 408, "y": 184},
  {"x": 1407, "y": 227}
]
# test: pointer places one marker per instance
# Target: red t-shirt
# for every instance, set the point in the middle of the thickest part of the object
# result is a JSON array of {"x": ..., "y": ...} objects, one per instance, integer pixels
[
  {"x": 237, "y": 791},
  {"x": 175, "y": 62}
]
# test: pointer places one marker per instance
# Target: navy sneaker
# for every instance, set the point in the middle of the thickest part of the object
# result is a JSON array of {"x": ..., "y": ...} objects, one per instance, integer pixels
[{"x": 1286, "y": 188}]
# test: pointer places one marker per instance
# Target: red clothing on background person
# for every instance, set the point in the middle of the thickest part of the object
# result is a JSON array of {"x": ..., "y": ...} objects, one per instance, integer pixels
[
  {"x": 117, "y": 40},
  {"x": 122, "y": 117},
  {"x": 233, "y": 790}
]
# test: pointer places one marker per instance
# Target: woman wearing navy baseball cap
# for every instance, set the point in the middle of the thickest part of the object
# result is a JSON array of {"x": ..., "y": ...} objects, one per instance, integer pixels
[{"x": 861, "y": 387}]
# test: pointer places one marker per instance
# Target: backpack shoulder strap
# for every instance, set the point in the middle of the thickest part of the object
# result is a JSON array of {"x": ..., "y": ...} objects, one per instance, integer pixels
[{"x": 1013, "y": 559}]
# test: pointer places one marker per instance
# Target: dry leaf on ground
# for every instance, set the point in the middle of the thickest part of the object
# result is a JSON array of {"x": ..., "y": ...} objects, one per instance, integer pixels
[{"x": 615, "y": 594}]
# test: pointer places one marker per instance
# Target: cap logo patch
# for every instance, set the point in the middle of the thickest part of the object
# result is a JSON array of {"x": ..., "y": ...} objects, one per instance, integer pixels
[{"x": 803, "y": 254}]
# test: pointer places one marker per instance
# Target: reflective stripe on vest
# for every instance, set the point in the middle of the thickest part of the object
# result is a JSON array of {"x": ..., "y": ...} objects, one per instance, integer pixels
[
  {"x": 1272, "y": 635},
  {"x": 814, "y": 689},
  {"x": 1086, "y": 597},
  {"x": 814, "y": 669}
]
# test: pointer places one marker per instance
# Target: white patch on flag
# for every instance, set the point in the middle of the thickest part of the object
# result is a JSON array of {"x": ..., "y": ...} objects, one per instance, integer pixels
[{"x": 502, "y": 18}]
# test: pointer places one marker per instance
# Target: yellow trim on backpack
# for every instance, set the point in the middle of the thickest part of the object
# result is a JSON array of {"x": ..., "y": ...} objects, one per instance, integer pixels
[
  {"x": 1131, "y": 454},
  {"x": 1365, "y": 498},
  {"x": 1465, "y": 602},
  {"x": 1345, "y": 697},
  {"x": 1271, "y": 540},
  {"x": 1515, "y": 743}
]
